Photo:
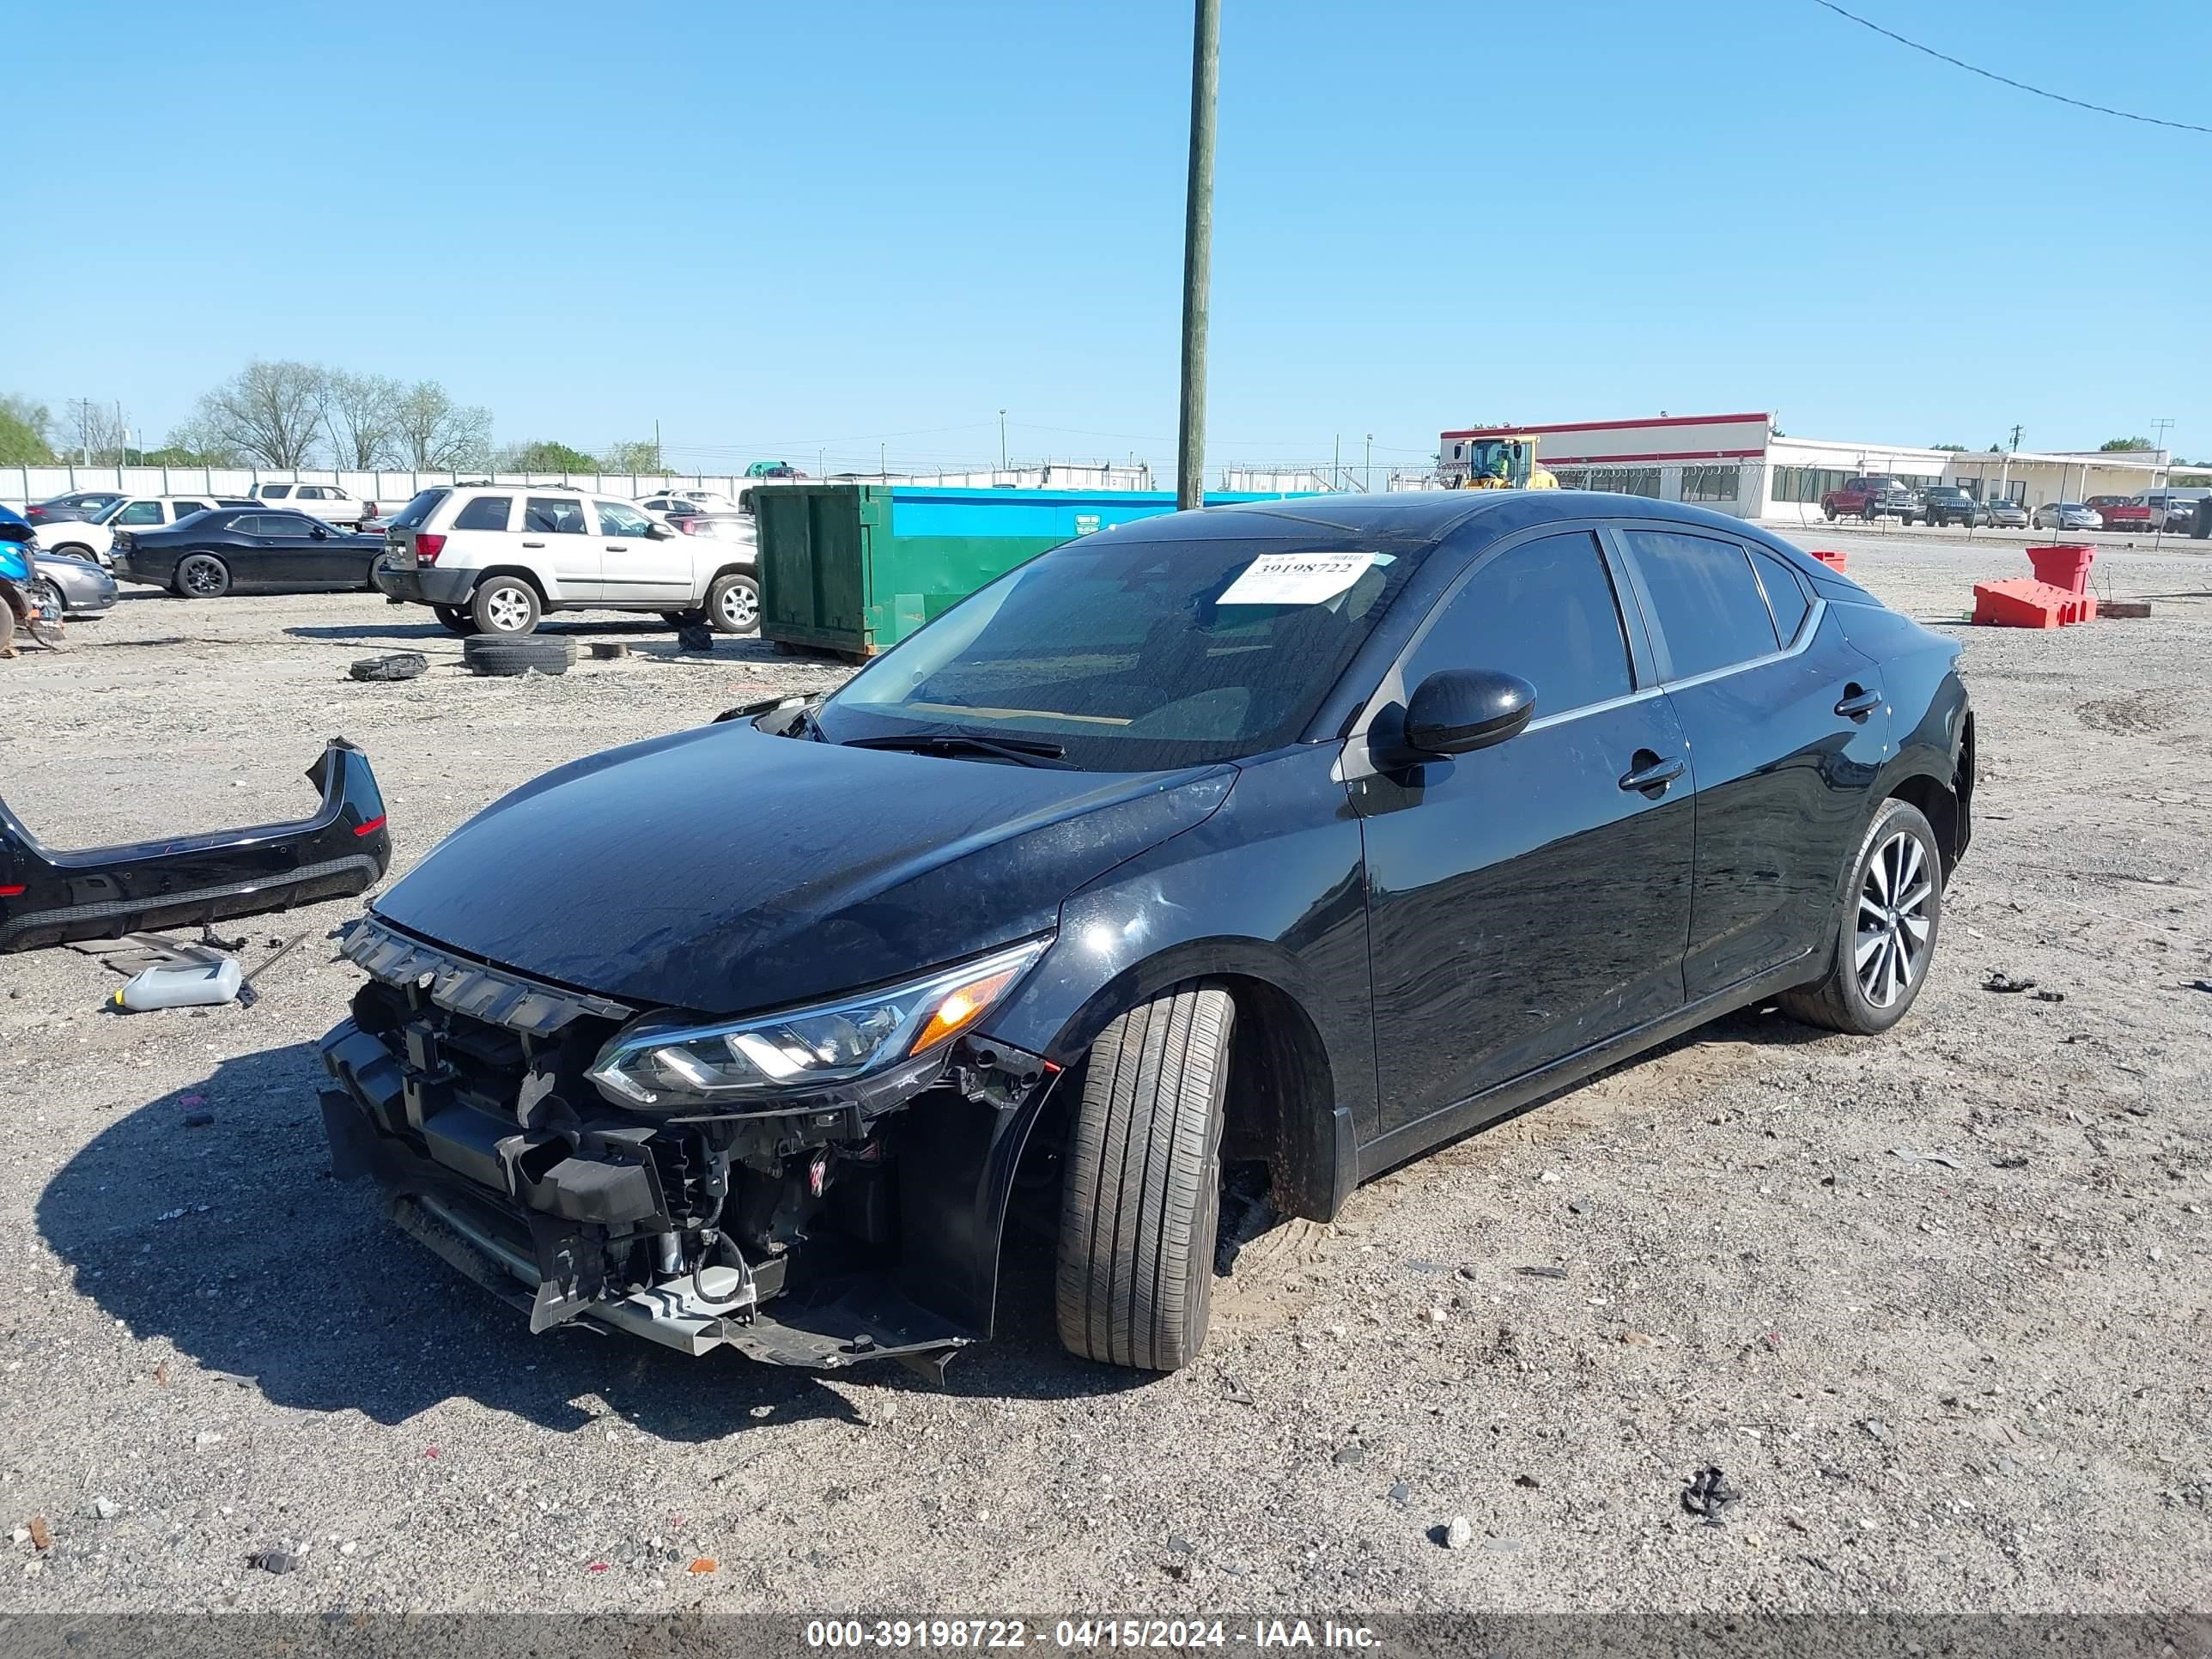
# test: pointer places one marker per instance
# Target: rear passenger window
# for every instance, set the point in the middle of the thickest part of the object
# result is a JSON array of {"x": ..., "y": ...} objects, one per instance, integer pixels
[
  {"x": 1785, "y": 594},
  {"x": 554, "y": 515},
  {"x": 485, "y": 513},
  {"x": 1544, "y": 611},
  {"x": 1711, "y": 610},
  {"x": 186, "y": 509},
  {"x": 275, "y": 492}
]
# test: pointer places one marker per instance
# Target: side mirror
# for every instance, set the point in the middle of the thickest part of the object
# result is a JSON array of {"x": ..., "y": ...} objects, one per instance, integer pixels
[
  {"x": 319, "y": 532},
  {"x": 1457, "y": 711},
  {"x": 656, "y": 532}
]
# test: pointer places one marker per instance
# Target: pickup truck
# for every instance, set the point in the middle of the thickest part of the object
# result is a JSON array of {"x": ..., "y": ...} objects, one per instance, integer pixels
[
  {"x": 317, "y": 501},
  {"x": 1871, "y": 498},
  {"x": 2123, "y": 512}
]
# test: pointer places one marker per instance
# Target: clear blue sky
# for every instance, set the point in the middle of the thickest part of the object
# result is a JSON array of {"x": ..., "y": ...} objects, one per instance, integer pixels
[{"x": 785, "y": 228}]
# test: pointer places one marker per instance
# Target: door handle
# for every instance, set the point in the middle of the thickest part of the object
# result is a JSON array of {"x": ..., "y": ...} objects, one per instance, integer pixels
[
  {"x": 1652, "y": 773},
  {"x": 617, "y": 547},
  {"x": 533, "y": 543},
  {"x": 1857, "y": 702}
]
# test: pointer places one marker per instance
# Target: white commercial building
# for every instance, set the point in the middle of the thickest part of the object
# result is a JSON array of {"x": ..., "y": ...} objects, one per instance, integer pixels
[{"x": 1738, "y": 464}]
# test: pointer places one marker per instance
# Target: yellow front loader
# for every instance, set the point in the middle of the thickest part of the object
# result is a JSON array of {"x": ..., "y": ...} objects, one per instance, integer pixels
[{"x": 1504, "y": 461}]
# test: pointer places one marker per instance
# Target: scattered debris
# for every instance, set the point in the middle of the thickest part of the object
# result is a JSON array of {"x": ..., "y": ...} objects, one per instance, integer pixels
[
  {"x": 595, "y": 1566},
  {"x": 2200, "y": 984},
  {"x": 395, "y": 665},
  {"x": 2010, "y": 1161},
  {"x": 1234, "y": 1391},
  {"x": 1459, "y": 1533},
  {"x": 2048, "y": 996},
  {"x": 2006, "y": 985},
  {"x": 1911, "y": 1157},
  {"x": 704, "y": 1564},
  {"x": 205, "y": 1439},
  {"x": 277, "y": 1561},
  {"x": 202, "y": 985},
  {"x": 609, "y": 650},
  {"x": 1352, "y": 1452},
  {"x": 1437, "y": 1316},
  {"x": 1178, "y": 1545},
  {"x": 41, "y": 1537},
  {"x": 281, "y": 953},
  {"x": 1401, "y": 1493},
  {"x": 161, "y": 1375},
  {"x": 1638, "y": 1339},
  {"x": 1875, "y": 1426},
  {"x": 1710, "y": 1497},
  {"x": 1528, "y": 1480},
  {"x": 695, "y": 638},
  {"x": 104, "y": 1508},
  {"x": 1542, "y": 1272}
]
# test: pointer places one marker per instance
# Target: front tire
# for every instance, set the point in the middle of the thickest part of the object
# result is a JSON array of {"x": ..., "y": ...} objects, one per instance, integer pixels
[
  {"x": 1885, "y": 934},
  {"x": 504, "y": 607},
  {"x": 203, "y": 576},
  {"x": 1138, "y": 1215},
  {"x": 733, "y": 604}
]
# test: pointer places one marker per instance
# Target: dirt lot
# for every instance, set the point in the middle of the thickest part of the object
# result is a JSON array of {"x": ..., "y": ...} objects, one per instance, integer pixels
[{"x": 1972, "y": 1379}]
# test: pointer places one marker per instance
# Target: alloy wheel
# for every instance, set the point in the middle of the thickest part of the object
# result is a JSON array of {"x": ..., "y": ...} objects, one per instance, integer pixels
[
  {"x": 202, "y": 577},
  {"x": 740, "y": 606},
  {"x": 507, "y": 610},
  {"x": 1893, "y": 924}
]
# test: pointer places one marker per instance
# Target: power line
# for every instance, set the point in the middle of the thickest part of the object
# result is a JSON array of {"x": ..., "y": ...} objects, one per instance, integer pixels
[{"x": 2006, "y": 79}]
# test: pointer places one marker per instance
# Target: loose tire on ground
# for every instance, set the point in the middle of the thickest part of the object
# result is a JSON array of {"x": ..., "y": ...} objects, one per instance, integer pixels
[
  {"x": 202, "y": 577},
  {"x": 506, "y": 607},
  {"x": 486, "y": 654},
  {"x": 1138, "y": 1215},
  {"x": 456, "y": 619},
  {"x": 1898, "y": 843},
  {"x": 733, "y": 604}
]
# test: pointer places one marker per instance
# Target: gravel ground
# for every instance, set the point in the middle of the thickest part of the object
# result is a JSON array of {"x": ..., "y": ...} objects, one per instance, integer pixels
[{"x": 1970, "y": 1380}]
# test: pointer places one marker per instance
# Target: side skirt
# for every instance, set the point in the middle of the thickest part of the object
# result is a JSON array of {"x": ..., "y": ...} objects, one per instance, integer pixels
[{"x": 1410, "y": 1140}]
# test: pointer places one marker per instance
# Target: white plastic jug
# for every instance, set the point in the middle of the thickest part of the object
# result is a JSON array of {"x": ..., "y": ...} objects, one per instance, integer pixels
[{"x": 200, "y": 985}]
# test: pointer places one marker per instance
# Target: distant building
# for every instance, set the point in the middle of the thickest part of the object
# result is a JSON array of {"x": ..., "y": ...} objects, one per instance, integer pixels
[{"x": 1737, "y": 464}]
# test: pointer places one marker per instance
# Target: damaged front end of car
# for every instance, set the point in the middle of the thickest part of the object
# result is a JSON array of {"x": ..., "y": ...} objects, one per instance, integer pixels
[{"x": 811, "y": 1186}]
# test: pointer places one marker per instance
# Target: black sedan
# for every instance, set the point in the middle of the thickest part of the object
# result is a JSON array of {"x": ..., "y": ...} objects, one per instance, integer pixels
[
  {"x": 1310, "y": 834},
  {"x": 240, "y": 548}
]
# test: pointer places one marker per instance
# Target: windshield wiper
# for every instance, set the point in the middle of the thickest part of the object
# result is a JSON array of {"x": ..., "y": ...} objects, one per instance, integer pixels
[{"x": 1022, "y": 751}]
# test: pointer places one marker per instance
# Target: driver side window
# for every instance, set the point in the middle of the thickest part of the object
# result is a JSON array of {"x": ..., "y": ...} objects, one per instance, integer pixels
[{"x": 1544, "y": 610}]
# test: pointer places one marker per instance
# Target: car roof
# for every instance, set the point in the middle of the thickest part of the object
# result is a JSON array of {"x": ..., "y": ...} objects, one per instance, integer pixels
[{"x": 1436, "y": 514}]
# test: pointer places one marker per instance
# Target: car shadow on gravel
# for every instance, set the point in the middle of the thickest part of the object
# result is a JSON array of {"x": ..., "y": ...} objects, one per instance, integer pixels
[{"x": 232, "y": 1240}]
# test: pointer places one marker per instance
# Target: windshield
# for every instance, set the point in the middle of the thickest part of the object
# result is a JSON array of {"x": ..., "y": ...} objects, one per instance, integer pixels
[{"x": 1132, "y": 653}]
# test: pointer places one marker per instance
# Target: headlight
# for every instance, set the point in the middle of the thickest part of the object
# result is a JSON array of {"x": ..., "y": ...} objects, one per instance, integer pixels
[{"x": 673, "y": 1067}]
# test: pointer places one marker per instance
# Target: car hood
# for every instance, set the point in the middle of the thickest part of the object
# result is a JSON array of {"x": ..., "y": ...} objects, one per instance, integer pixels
[{"x": 722, "y": 870}]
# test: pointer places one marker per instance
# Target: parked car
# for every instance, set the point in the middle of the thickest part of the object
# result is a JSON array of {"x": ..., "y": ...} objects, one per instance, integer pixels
[
  {"x": 2005, "y": 513},
  {"x": 235, "y": 548},
  {"x": 1315, "y": 834},
  {"x": 773, "y": 470},
  {"x": 1871, "y": 498},
  {"x": 720, "y": 526},
  {"x": 2066, "y": 515},
  {"x": 325, "y": 501},
  {"x": 79, "y": 504},
  {"x": 673, "y": 503},
  {"x": 94, "y": 538},
  {"x": 2174, "y": 509},
  {"x": 2123, "y": 512},
  {"x": 494, "y": 559},
  {"x": 1947, "y": 504},
  {"x": 82, "y": 589}
]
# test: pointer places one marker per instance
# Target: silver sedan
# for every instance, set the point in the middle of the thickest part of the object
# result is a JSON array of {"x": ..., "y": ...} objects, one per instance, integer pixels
[{"x": 86, "y": 589}]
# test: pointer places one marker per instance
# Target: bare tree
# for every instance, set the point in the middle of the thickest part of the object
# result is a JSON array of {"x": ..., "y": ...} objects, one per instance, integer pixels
[
  {"x": 99, "y": 433},
  {"x": 361, "y": 412},
  {"x": 436, "y": 432},
  {"x": 638, "y": 458},
  {"x": 272, "y": 413}
]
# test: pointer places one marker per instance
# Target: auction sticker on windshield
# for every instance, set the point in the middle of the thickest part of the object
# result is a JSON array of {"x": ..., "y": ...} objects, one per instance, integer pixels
[{"x": 1297, "y": 577}]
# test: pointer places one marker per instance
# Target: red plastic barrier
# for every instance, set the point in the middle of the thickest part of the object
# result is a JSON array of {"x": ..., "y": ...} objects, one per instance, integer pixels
[
  {"x": 2022, "y": 603},
  {"x": 1828, "y": 556},
  {"x": 2065, "y": 565}
]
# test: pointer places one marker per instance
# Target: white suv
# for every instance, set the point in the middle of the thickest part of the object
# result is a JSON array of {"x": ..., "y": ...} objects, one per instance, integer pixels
[
  {"x": 317, "y": 501},
  {"x": 493, "y": 559},
  {"x": 95, "y": 538}
]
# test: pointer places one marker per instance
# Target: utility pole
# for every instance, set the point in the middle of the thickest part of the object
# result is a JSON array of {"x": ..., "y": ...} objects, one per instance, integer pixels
[
  {"x": 1336, "y": 464},
  {"x": 656, "y": 444},
  {"x": 2160, "y": 427},
  {"x": 2004, "y": 472},
  {"x": 1198, "y": 251},
  {"x": 1369, "y": 468},
  {"x": 1002, "y": 440}
]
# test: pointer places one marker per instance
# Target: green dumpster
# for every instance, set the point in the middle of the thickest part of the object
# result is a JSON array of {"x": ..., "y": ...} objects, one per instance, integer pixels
[{"x": 855, "y": 568}]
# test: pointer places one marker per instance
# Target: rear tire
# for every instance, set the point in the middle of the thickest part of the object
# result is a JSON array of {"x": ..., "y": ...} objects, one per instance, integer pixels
[
  {"x": 456, "y": 619},
  {"x": 504, "y": 607},
  {"x": 76, "y": 550},
  {"x": 1882, "y": 947},
  {"x": 1138, "y": 1215},
  {"x": 202, "y": 577}
]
